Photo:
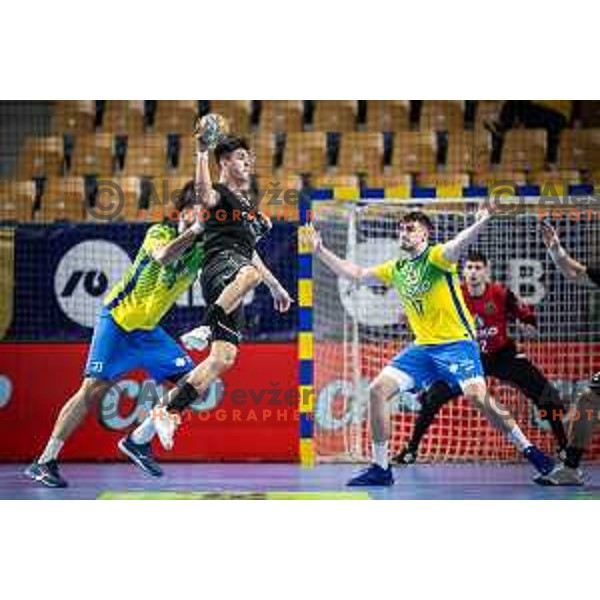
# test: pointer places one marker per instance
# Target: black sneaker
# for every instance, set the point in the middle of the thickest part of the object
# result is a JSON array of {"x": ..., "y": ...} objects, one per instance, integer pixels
[
  {"x": 406, "y": 457},
  {"x": 46, "y": 473},
  {"x": 140, "y": 455}
]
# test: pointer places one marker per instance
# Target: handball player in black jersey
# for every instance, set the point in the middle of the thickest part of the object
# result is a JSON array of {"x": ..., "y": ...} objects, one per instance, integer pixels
[{"x": 231, "y": 267}]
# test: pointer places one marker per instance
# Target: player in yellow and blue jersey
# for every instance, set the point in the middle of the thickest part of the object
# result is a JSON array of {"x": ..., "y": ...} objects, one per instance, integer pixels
[
  {"x": 127, "y": 334},
  {"x": 425, "y": 277}
]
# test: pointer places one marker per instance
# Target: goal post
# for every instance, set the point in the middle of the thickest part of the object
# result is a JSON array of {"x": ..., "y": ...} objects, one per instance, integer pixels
[{"x": 358, "y": 329}]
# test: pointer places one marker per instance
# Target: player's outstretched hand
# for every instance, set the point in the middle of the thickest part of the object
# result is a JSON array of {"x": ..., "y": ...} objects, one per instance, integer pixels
[
  {"x": 549, "y": 235},
  {"x": 281, "y": 299},
  {"x": 314, "y": 238}
]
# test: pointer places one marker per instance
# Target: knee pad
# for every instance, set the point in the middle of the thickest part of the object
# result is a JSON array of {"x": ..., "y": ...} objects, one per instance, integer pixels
[{"x": 185, "y": 396}]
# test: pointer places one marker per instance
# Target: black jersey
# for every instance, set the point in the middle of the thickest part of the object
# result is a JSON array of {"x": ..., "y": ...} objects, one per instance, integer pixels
[
  {"x": 593, "y": 272},
  {"x": 233, "y": 224}
]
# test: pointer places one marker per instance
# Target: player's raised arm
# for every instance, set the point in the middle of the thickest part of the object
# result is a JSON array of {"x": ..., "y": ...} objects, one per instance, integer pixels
[
  {"x": 340, "y": 266},
  {"x": 452, "y": 249},
  {"x": 207, "y": 132},
  {"x": 281, "y": 297},
  {"x": 567, "y": 265}
]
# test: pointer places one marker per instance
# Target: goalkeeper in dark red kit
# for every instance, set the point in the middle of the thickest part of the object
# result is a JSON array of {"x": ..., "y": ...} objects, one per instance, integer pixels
[{"x": 493, "y": 306}]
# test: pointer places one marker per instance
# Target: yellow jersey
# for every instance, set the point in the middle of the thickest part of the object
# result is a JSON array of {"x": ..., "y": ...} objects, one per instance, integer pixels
[
  {"x": 148, "y": 289},
  {"x": 430, "y": 292}
]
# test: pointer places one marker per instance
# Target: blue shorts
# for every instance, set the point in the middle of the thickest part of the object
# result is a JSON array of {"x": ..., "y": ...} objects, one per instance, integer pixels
[
  {"x": 454, "y": 363},
  {"x": 115, "y": 351}
]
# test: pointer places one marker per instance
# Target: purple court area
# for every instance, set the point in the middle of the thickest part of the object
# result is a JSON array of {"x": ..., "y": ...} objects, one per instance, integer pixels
[{"x": 420, "y": 482}]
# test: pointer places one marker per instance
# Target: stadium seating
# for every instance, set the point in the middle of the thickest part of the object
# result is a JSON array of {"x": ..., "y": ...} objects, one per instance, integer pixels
[
  {"x": 16, "y": 200},
  {"x": 175, "y": 116},
  {"x": 524, "y": 149},
  {"x": 146, "y": 155},
  {"x": 387, "y": 115},
  {"x": 137, "y": 141},
  {"x": 281, "y": 115},
  {"x": 305, "y": 152},
  {"x": 442, "y": 115},
  {"x": 74, "y": 116},
  {"x": 335, "y": 115},
  {"x": 361, "y": 153},
  {"x": 237, "y": 112},
  {"x": 92, "y": 154},
  {"x": 41, "y": 156},
  {"x": 579, "y": 149},
  {"x": 123, "y": 117},
  {"x": 414, "y": 152},
  {"x": 263, "y": 146},
  {"x": 63, "y": 200}
]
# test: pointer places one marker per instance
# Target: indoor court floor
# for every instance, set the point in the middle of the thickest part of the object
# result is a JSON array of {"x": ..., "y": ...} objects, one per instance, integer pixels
[{"x": 275, "y": 481}]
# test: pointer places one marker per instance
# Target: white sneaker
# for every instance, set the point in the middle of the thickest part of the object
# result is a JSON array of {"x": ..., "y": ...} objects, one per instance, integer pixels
[
  {"x": 197, "y": 339},
  {"x": 561, "y": 475},
  {"x": 166, "y": 424}
]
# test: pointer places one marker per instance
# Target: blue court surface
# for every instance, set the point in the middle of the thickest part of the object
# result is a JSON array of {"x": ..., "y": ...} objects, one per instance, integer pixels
[{"x": 215, "y": 480}]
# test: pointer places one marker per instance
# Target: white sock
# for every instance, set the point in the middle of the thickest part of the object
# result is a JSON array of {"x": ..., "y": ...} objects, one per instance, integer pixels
[
  {"x": 144, "y": 432},
  {"x": 380, "y": 454},
  {"x": 519, "y": 439},
  {"x": 51, "y": 450}
]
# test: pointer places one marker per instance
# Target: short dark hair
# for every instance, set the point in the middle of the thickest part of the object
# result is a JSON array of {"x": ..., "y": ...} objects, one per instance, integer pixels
[
  {"x": 186, "y": 197},
  {"x": 229, "y": 144},
  {"x": 418, "y": 217},
  {"x": 477, "y": 256}
]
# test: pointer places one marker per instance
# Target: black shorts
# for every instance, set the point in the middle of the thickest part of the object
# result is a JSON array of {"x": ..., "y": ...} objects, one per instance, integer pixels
[{"x": 217, "y": 273}]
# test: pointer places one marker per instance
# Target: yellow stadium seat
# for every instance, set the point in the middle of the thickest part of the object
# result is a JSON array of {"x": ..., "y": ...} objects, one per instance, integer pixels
[
  {"x": 361, "y": 153},
  {"x": 92, "y": 154},
  {"x": 580, "y": 149},
  {"x": 482, "y": 150},
  {"x": 63, "y": 199},
  {"x": 414, "y": 152},
  {"x": 387, "y": 115},
  {"x": 263, "y": 146},
  {"x": 75, "y": 116},
  {"x": 123, "y": 117},
  {"x": 448, "y": 182},
  {"x": 16, "y": 200},
  {"x": 461, "y": 152},
  {"x": 336, "y": 180},
  {"x": 305, "y": 152},
  {"x": 487, "y": 110},
  {"x": 41, "y": 156},
  {"x": 524, "y": 149},
  {"x": 281, "y": 115},
  {"x": 502, "y": 178},
  {"x": 146, "y": 155},
  {"x": 237, "y": 113},
  {"x": 175, "y": 116},
  {"x": 442, "y": 115},
  {"x": 335, "y": 115},
  {"x": 541, "y": 177}
]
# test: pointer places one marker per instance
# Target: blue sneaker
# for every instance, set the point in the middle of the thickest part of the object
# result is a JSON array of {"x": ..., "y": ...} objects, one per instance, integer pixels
[
  {"x": 140, "y": 455},
  {"x": 544, "y": 464},
  {"x": 373, "y": 475},
  {"x": 46, "y": 473}
]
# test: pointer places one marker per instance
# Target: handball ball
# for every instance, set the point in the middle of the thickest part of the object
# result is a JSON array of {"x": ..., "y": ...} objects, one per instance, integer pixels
[{"x": 211, "y": 128}]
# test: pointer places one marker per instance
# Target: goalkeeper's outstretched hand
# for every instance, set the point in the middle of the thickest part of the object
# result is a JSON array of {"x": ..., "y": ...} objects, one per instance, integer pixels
[{"x": 549, "y": 236}]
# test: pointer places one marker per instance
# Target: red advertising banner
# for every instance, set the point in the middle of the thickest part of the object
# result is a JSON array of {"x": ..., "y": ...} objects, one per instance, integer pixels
[{"x": 252, "y": 415}]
